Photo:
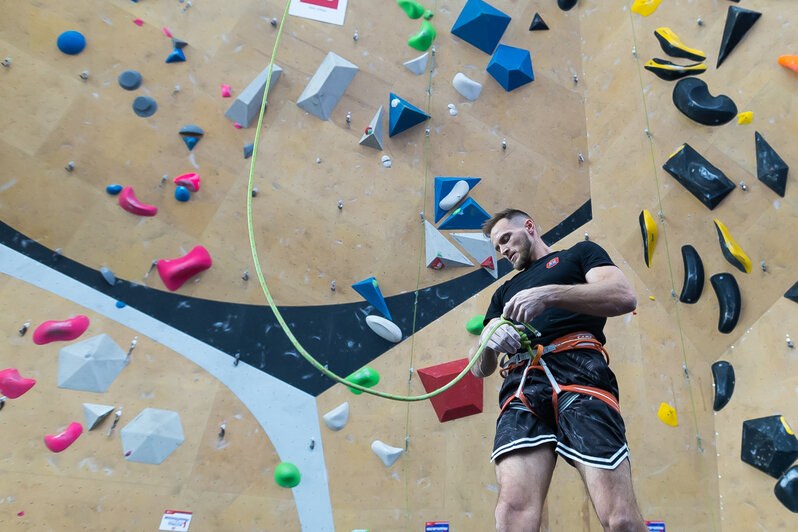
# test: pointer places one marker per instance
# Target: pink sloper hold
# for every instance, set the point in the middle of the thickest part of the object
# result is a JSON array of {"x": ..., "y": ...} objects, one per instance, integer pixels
[
  {"x": 190, "y": 181},
  {"x": 129, "y": 202},
  {"x": 12, "y": 385},
  {"x": 63, "y": 331},
  {"x": 175, "y": 272},
  {"x": 138, "y": 22},
  {"x": 59, "y": 442},
  {"x": 225, "y": 91}
]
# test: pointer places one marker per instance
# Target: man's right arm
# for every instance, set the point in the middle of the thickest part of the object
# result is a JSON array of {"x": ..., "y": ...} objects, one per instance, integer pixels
[{"x": 489, "y": 359}]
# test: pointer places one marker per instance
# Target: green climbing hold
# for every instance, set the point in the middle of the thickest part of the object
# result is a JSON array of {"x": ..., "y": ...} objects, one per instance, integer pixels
[
  {"x": 428, "y": 14},
  {"x": 422, "y": 40},
  {"x": 474, "y": 325},
  {"x": 411, "y": 7},
  {"x": 365, "y": 376},
  {"x": 286, "y": 475}
]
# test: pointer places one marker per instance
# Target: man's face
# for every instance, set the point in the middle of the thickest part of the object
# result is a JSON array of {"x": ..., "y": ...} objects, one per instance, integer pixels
[{"x": 512, "y": 240}]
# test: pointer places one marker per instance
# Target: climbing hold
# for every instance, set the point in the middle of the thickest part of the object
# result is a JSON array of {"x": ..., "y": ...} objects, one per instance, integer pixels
[
  {"x": 769, "y": 444},
  {"x": 770, "y": 167},
  {"x": 463, "y": 399},
  {"x": 428, "y": 14},
  {"x": 458, "y": 192},
  {"x": 422, "y": 40},
  {"x": 468, "y": 216},
  {"x": 419, "y": 64},
  {"x": 191, "y": 135},
  {"x": 745, "y": 118},
  {"x": 327, "y": 85},
  {"x": 478, "y": 246},
  {"x": 467, "y": 87},
  {"x": 248, "y": 149},
  {"x": 789, "y": 61},
  {"x": 386, "y": 161},
  {"x": 511, "y": 67},
  {"x": 108, "y": 275},
  {"x": 691, "y": 96},
  {"x": 386, "y": 453},
  {"x": 481, "y": 25},
  {"x": 566, "y": 5},
  {"x": 403, "y": 115},
  {"x": 385, "y": 329},
  {"x": 61, "y": 331},
  {"x": 177, "y": 43},
  {"x": 738, "y": 22},
  {"x": 372, "y": 137},
  {"x": 672, "y": 46},
  {"x": 287, "y": 475},
  {"x": 645, "y": 7},
  {"x": 90, "y": 365},
  {"x": 412, "y": 8},
  {"x": 129, "y": 80},
  {"x": 94, "y": 414},
  {"x": 129, "y": 202},
  {"x": 728, "y": 293},
  {"x": 190, "y": 181},
  {"x": 182, "y": 194},
  {"x": 441, "y": 253},
  {"x": 144, "y": 106},
  {"x": 175, "y": 272},
  {"x": 786, "y": 489},
  {"x": 731, "y": 250},
  {"x": 475, "y": 324},
  {"x": 120, "y": 304},
  {"x": 71, "y": 42},
  {"x": 336, "y": 418},
  {"x": 667, "y": 414},
  {"x": 443, "y": 188},
  {"x": 370, "y": 290},
  {"x": 698, "y": 176},
  {"x": 247, "y": 105},
  {"x": 12, "y": 384},
  {"x": 226, "y": 91},
  {"x": 113, "y": 189},
  {"x": 723, "y": 377},
  {"x": 59, "y": 442},
  {"x": 671, "y": 71},
  {"x": 365, "y": 376},
  {"x": 166, "y": 32},
  {"x": 693, "y": 275},
  {"x": 176, "y": 56},
  {"x": 649, "y": 228},
  {"x": 538, "y": 24},
  {"x": 138, "y": 22}
]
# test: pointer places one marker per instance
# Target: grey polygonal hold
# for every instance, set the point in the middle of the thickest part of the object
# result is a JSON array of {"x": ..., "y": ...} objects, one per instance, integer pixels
[
  {"x": 327, "y": 86},
  {"x": 95, "y": 413},
  {"x": 248, "y": 149},
  {"x": 90, "y": 365},
  {"x": 419, "y": 64},
  {"x": 374, "y": 138},
  {"x": 247, "y": 105},
  {"x": 467, "y": 87},
  {"x": 336, "y": 418},
  {"x": 438, "y": 247},
  {"x": 152, "y": 436},
  {"x": 108, "y": 275},
  {"x": 387, "y": 454}
]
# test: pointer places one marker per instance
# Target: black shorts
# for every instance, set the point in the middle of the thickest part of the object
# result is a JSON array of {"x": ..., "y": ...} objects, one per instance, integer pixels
[{"x": 588, "y": 430}]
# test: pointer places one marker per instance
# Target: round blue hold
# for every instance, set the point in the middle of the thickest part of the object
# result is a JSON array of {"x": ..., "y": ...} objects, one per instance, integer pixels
[
  {"x": 71, "y": 42},
  {"x": 182, "y": 194},
  {"x": 120, "y": 304},
  {"x": 113, "y": 189}
]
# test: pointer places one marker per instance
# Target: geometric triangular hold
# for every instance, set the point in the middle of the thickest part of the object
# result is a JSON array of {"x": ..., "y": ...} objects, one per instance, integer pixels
[
  {"x": 370, "y": 290},
  {"x": 246, "y": 107},
  {"x": 792, "y": 293},
  {"x": 538, "y": 24},
  {"x": 176, "y": 56},
  {"x": 90, "y": 365},
  {"x": 327, "y": 85},
  {"x": 177, "y": 43},
  {"x": 738, "y": 22},
  {"x": 95, "y": 413},
  {"x": 403, "y": 115},
  {"x": 152, "y": 436},
  {"x": 481, "y": 25},
  {"x": 441, "y": 253},
  {"x": 373, "y": 139},
  {"x": 770, "y": 167},
  {"x": 461, "y": 400},
  {"x": 444, "y": 185},
  {"x": 419, "y": 64},
  {"x": 191, "y": 142},
  {"x": 511, "y": 67},
  {"x": 469, "y": 215},
  {"x": 478, "y": 246}
]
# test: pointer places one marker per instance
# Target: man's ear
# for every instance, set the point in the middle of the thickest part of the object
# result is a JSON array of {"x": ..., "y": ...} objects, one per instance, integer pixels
[{"x": 529, "y": 225}]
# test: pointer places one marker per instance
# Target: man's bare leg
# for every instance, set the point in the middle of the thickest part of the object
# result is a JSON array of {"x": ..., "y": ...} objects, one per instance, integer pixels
[
  {"x": 524, "y": 477},
  {"x": 613, "y": 497}
]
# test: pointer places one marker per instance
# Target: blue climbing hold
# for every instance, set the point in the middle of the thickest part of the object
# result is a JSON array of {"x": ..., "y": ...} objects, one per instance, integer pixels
[
  {"x": 71, "y": 42},
  {"x": 113, "y": 189},
  {"x": 120, "y": 304},
  {"x": 403, "y": 115},
  {"x": 468, "y": 216},
  {"x": 511, "y": 67},
  {"x": 370, "y": 290},
  {"x": 176, "y": 56},
  {"x": 481, "y": 25},
  {"x": 191, "y": 142},
  {"x": 444, "y": 185},
  {"x": 182, "y": 194}
]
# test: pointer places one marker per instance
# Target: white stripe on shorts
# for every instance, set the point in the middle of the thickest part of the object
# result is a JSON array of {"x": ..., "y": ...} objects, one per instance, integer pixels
[
  {"x": 594, "y": 461},
  {"x": 522, "y": 443}
]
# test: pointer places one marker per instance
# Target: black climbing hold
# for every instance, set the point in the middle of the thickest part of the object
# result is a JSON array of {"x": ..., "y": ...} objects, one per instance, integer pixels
[
  {"x": 565, "y": 5},
  {"x": 144, "y": 106},
  {"x": 769, "y": 444},
  {"x": 191, "y": 131},
  {"x": 786, "y": 489},
  {"x": 723, "y": 375},
  {"x": 691, "y": 96},
  {"x": 538, "y": 24},
  {"x": 770, "y": 168},
  {"x": 177, "y": 43},
  {"x": 728, "y": 293},
  {"x": 738, "y": 22},
  {"x": 693, "y": 275},
  {"x": 671, "y": 71},
  {"x": 248, "y": 149},
  {"x": 792, "y": 293},
  {"x": 674, "y": 47},
  {"x": 697, "y": 175},
  {"x": 130, "y": 80}
]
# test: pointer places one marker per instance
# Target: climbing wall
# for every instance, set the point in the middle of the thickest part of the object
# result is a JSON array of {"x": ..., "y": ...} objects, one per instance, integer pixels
[{"x": 581, "y": 148}]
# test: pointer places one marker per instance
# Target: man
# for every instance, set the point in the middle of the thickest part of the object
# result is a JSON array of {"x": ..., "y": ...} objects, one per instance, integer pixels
[{"x": 562, "y": 400}]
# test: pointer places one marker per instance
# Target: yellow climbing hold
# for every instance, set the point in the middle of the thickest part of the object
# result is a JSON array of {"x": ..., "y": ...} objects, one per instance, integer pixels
[
  {"x": 645, "y": 7},
  {"x": 672, "y": 46},
  {"x": 745, "y": 118},
  {"x": 731, "y": 250},
  {"x": 786, "y": 426},
  {"x": 649, "y": 229},
  {"x": 667, "y": 414},
  {"x": 652, "y": 298}
]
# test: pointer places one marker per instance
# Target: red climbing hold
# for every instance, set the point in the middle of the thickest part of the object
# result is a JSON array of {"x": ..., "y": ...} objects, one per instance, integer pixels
[
  {"x": 175, "y": 272},
  {"x": 488, "y": 263},
  {"x": 461, "y": 400},
  {"x": 59, "y": 442},
  {"x": 129, "y": 202},
  {"x": 437, "y": 264},
  {"x": 190, "y": 181},
  {"x": 64, "y": 331},
  {"x": 12, "y": 385}
]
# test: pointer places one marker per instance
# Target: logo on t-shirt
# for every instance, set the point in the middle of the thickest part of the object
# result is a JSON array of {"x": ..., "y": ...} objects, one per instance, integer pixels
[{"x": 552, "y": 263}]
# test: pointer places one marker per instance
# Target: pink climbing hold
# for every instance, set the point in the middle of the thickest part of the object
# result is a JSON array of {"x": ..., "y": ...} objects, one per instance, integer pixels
[
  {"x": 190, "y": 181},
  {"x": 237, "y": 125},
  {"x": 129, "y": 202},
  {"x": 12, "y": 385},
  {"x": 21, "y": 514},
  {"x": 175, "y": 272},
  {"x": 225, "y": 91},
  {"x": 138, "y": 22},
  {"x": 167, "y": 32},
  {"x": 59, "y": 442},
  {"x": 64, "y": 331}
]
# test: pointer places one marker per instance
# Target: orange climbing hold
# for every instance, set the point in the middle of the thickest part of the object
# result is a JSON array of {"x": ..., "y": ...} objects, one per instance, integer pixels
[
  {"x": 64, "y": 331},
  {"x": 175, "y": 272},
  {"x": 789, "y": 61}
]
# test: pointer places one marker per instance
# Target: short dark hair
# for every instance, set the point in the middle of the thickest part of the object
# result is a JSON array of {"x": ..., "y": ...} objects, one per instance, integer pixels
[{"x": 509, "y": 214}]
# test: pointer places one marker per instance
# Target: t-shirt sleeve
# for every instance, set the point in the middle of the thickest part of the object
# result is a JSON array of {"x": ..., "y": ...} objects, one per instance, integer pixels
[
  {"x": 496, "y": 306},
  {"x": 592, "y": 255}
]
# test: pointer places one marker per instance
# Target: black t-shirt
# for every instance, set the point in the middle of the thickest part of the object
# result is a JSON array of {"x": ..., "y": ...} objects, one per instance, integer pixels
[{"x": 564, "y": 267}]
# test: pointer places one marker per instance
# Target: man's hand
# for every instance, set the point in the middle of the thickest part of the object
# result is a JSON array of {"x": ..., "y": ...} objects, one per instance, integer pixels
[
  {"x": 527, "y": 304},
  {"x": 505, "y": 340}
]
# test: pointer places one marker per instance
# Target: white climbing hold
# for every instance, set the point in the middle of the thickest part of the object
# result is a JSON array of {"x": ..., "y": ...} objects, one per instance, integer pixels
[
  {"x": 419, "y": 64},
  {"x": 440, "y": 253},
  {"x": 459, "y": 191},
  {"x": 336, "y": 418},
  {"x": 466, "y": 86},
  {"x": 387, "y": 454},
  {"x": 452, "y": 109},
  {"x": 386, "y": 161},
  {"x": 395, "y": 102},
  {"x": 384, "y": 328}
]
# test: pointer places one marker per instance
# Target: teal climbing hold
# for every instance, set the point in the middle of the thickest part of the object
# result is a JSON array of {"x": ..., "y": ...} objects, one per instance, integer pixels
[
  {"x": 370, "y": 290},
  {"x": 191, "y": 142},
  {"x": 403, "y": 115},
  {"x": 468, "y": 216},
  {"x": 287, "y": 475}
]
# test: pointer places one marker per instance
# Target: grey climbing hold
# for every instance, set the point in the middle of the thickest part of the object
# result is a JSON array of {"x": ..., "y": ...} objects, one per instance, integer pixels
[
  {"x": 440, "y": 252},
  {"x": 130, "y": 80},
  {"x": 458, "y": 192},
  {"x": 336, "y": 418},
  {"x": 373, "y": 136},
  {"x": 177, "y": 43},
  {"x": 387, "y": 454},
  {"x": 152, "y": 436},
  {"x": 467, "y": 87},
  {"x": 95, "y": 413},
  {"x": 108, "y": 275},
  {"x": 327, "y": 85},
  {"x": 144, "y": 106},
  {"x": 385, "y": 329},
  {"x": 419, "y": 64},
  {"x": 247, "y": 105},
  {"x": 90, "y": 365},
  {"x": 191, "y": 131},
  {"x": 248, "y": 149}
]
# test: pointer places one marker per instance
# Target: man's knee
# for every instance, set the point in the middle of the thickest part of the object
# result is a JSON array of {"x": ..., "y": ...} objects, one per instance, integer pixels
[
  {"x": 623, "y": 520},
  {"x": 515, "y": 508}
]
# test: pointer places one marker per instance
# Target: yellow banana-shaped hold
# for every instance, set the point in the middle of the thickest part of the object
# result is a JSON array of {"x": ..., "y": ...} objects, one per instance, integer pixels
[
  {"x": 649, "y": 229},
  {"x": 731, "y": 250},
  {"x": 672, "y": 46}
]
